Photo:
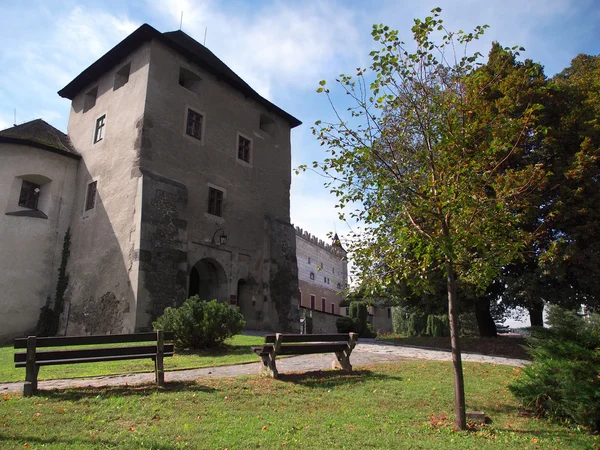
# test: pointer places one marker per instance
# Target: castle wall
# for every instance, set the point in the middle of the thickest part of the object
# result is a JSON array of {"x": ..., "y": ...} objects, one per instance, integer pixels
[
  {"x": 103, "y": 266},
  {"x": 322, "y": 272},
  {"x": 30, "y": 247}
]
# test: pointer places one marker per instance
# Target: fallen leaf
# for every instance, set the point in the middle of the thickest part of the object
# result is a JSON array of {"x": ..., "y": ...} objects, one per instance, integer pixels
[{"x": 264, "y": 428}]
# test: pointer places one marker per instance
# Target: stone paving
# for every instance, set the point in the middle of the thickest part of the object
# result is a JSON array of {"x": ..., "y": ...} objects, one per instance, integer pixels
[{"x": 366, "y": 353}]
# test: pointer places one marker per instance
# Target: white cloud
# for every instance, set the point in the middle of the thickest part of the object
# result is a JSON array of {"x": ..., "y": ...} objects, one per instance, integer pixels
[{"x": 279, "y": 45}]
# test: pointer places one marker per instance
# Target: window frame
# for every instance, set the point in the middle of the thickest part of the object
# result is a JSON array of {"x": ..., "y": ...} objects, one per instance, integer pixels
[
  {"x": 218, "y": 198},
  {"x": 86, "y": 209},
  {"x": 102, "y": 129},
  {"x": 239, "y": 137},
  {"x": 190, "y": 137},
  {"x": 31, "y": 193}
]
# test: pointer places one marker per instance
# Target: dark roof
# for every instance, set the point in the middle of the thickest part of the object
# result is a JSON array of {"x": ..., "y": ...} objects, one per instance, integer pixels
[
  {"x": 179, "y": 42},
  {"x": 40, "y": 134}
]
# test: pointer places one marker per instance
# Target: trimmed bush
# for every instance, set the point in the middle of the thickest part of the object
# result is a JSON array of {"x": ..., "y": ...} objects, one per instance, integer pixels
[
  {"x": 200, "y": 324},
  {"x": 400, "y": 317},
  {"x": 359, "y": 313},
  {"x": 438, "y": 326},
  {"x": 417, "y": 324},
  {"x": 562, "y": 383},
  {"x": 345, "y": 325}
]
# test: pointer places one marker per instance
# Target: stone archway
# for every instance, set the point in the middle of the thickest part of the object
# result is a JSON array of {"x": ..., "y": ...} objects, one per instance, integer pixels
[{"x": 208, "y": 281}]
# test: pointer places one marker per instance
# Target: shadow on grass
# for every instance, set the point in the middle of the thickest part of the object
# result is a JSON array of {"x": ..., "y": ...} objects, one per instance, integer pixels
[
  {"x": 79, "y": 393},
  {"x": 28, "y": 441},
  {"x": 326, "y": 379}
]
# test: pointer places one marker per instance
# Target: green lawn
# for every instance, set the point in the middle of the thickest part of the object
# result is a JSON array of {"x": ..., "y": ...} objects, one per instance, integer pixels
[
  {"x": 404, "y": 405},
  {"x": 236, "y": 351}
]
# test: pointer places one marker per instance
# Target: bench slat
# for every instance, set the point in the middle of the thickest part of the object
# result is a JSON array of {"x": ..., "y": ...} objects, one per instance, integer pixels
[
  {"x": 91, "y": 353},
  {"x": 303, "y": 349},
  {"x": 95, "y": 359},
  {"x": 333, "y": 337},
  {"x": 90, "y": 340}
]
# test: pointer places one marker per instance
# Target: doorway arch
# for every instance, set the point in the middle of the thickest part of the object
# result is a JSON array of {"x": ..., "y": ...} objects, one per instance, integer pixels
[{"x": 208, "y": 281}]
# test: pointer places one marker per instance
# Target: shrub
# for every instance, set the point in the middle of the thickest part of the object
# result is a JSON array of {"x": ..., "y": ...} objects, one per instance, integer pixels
[
  {"x": 562, "y": 383},
  {"x": 400, "y": 317},
  {"x": 359, "y": 314},
  {"x": 438, "y": 326},
  {"x": 200, "y": 324},
  {"x": 345, "y": 324},
  {"x": 417, "y": 324}
]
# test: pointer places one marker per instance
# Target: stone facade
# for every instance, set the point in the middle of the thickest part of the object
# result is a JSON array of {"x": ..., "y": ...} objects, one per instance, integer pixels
[
  {"x": 322, "y": 272},
  {"x": 144, "y": 233},
  {"x": 31, "y": 241}
]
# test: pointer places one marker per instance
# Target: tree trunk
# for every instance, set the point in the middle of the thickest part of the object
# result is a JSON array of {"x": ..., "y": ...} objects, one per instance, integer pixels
[
  {"x": 460, "y": 422},
  {"x": 485, "y": 321},
  {"x": 536, "y": 316}
]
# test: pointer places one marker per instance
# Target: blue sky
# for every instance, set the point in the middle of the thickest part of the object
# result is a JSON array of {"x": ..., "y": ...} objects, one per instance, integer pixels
[{"x": 281, "y": 48}]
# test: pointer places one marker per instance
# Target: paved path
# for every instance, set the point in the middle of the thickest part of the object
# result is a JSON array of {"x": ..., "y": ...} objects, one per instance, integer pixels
[{"x": 366, "y": 353}]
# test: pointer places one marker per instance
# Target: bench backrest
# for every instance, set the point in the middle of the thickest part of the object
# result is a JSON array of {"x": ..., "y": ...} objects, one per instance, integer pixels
[
  {"x": 293, "y": 338},
  {"x": 62, "y": 341}
]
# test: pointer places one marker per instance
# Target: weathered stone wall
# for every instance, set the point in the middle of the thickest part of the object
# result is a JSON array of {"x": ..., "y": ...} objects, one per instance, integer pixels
[
  {"x": 163, "y": 247},
  {"x": 30, "y": 247},
  {"x": 282, "y": 288},
  {"x": 103, "y": 266},
  {"x": 322, "y": 322}
]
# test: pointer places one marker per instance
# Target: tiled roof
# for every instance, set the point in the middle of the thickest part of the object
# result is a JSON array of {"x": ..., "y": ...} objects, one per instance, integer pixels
[{"x": 40, "y": 134}]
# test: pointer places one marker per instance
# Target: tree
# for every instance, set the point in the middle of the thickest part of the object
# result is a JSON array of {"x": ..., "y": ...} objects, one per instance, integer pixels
[
  {"x": 425, "y": 158},
  {"x": 562, "y": 264}
]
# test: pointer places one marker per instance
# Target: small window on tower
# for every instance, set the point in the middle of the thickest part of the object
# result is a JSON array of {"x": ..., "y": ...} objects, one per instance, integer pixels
[
  {"x": 90, "y": 197},
  {"x": 122, "y": 76},
  {"x": 89, "y": 100},
  {"x": 194, "y": 124},
  {"x": 215, "y": 202},
  {"x": 28, "y": 198},
  {"x": 244, "y": 148},
  {"x": 190, "y": 80},
  {"x": 312, "y": 276},
  {"x": 99, "y": 130}
]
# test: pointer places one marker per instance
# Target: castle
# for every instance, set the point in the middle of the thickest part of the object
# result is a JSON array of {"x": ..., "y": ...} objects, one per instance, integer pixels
[{"x": 174, "y": 180}]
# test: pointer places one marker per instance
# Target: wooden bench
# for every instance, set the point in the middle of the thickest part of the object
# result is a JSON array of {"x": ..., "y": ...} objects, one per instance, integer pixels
[
  {"x": 32, "y": 359},
  {"x": 341, "y": 344}
]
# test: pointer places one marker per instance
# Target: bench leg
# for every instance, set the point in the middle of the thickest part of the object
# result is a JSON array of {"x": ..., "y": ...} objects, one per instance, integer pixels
[
  {"x": 159, "y": 369},
  {"x": 31, "y": 369},
  {"x": 342, "y": 361},
  {"x": 268, "y": 366}
]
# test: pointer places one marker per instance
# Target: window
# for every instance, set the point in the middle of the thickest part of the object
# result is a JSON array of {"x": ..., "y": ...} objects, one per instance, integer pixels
[
  {"x": 312, "y": 301},
  {"x": 323, "y": 300},
  {"x": 90, "y": 197},
  {"x": 312, "y": 276},
  {"x": 309, "y": 259},
  {"x": 215, "y": 202},
  {"x": 89, "y": 100},
  {"x": 389, "y": 310},
  {"x": 244, "y": 146},
  {"x": 190, "y": 80},
  {"x": 333, "y": 270},
  {"x": 339, "y": 286},
  {"x": 194, "y": 124},
  {"x": 28, "y": 198},
  {"x": 122, "y": 76},
  {"x": 267, "y": 124},
  {"x": 333, "y": 308},
  {"x": 324, "y": 279},
  {"x": 99, "y": 131},
  {"x": 347, "y": 311}
]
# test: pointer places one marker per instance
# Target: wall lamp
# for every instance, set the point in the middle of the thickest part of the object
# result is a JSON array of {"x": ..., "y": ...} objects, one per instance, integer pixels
[{"x": 222, "y": 237}]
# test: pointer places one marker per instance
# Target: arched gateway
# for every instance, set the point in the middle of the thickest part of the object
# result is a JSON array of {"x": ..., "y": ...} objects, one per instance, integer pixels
[{"x": 208, "y": 280}]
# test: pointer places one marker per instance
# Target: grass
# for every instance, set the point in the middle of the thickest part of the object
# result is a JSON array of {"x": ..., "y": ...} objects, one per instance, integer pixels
[
  {"x": 404, "y": 405},
  {"x": 237, "y": 350},
  {"x": 508, "y": 346}
]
